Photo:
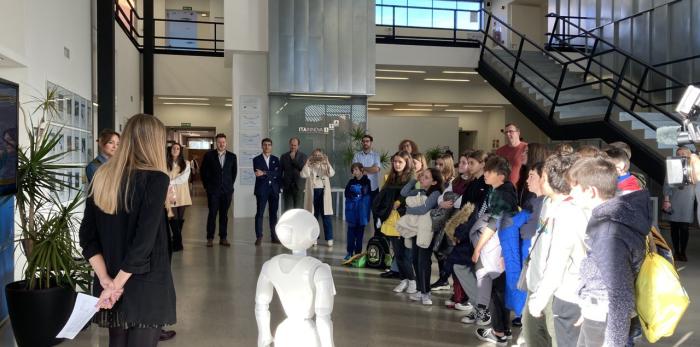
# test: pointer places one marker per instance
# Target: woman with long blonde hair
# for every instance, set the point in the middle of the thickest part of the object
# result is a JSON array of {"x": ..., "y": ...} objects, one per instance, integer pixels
[
  {"x": 124, "y": 236},
  {"x": 317, "y": 200},
  {"x": 446, "y": 164}
]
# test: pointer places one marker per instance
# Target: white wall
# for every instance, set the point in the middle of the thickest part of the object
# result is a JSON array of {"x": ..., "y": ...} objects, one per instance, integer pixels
[
  {"x": 427, "y": 56},
  {"x": 128, "y": 78},
  {"x": 246, "y": 25},
  {"x": 33, "y": 34},
  {"x": 477, "y": 92},
  {"x": 191, "y": 76},
  {"x": 249, "y": 79},
  {"x": 199, "y": 116}
]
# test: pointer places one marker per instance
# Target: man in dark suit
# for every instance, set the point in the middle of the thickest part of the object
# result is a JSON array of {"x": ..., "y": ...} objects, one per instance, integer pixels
[
  {"x": 218, "y": 173},
  {"x": 267, "y": 189},
  {"x": 292, "y": 184}
]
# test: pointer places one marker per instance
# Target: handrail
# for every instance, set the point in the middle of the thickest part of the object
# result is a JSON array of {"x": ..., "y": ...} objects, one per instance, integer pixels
[
  {"x": 622, "y": 19},
  {"x": 617, "y": 82},
  {"x": 627, "y": 55}
]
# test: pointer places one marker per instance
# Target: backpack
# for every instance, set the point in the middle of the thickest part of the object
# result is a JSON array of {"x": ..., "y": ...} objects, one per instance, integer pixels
[
  {"x": 659, "y": 295},
  {"x": 377, "y": 251}
]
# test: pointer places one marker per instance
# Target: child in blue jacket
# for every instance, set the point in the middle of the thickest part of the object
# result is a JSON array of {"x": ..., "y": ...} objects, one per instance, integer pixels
[{"x": 357, "y": 206}]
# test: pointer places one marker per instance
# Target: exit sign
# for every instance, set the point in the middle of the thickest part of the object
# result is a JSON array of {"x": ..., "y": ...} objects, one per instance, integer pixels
[
  {"x": 187, "y": 8},
  {"x": 186, "y": 125}
]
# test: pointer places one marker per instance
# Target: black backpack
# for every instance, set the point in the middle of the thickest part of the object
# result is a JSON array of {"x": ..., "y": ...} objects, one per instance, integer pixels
[{"x": 378, "y": 255}]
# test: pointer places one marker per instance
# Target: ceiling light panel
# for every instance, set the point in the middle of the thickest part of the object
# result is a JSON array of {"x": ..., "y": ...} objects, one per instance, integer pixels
[
  {"x": 446, "y": 79},
  {"x": 461, "y": 72},
  {"x": 390, "y": 78},
  {"x": 181, "y": 98},
  {"x": 379, "y": 104},
  {"x": 187, "y": 103},
  {"x": 462, "y": 110},
  {"x": 413, "y": 109},
  {"x": 404, "y": 71},
  {"x": 321, "y": 96}
]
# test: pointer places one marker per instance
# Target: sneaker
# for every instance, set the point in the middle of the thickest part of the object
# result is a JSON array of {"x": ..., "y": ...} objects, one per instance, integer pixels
[
  {"x": 347, "y": 257},
  {"x": 401, "y": 287},
  {"x": 480, "y": 316},
  {"x": 467, "y": 307},
  {"x": 426, "y": 300},
  {"x": 411, "y": 287},
  {"x": 449, "y": 303},
  {"x": 440, "y": 286},
  {"x": 330, "y": 243},
  {"x": 487, "y": 335},
  {"x": 417, "y": 296},
  {"x": 517, "y": 322},
  {"x": 508, "y": 335}
]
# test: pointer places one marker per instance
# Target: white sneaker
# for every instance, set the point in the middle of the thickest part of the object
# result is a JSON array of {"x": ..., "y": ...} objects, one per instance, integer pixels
[
  {"x": 411, "y": 287},
  {"x": 464, "y": 307},
  {"x": 449, "y": 303},
  {"x": 402, "y": 286},
  {"x": 330, "y": 243},
  {"x": 417, "y": 296},
  {"x": 426, "y": 300}
]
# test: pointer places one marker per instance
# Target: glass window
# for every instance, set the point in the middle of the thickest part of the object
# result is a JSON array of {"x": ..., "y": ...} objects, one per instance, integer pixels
[
  {"x": 418, "y": 17},
  {"x": 469, "y": 5},
  {"x": 387, "y": 16},
  {"x": 443, "y": 19},
  {"x": 394, "y": 2},
  {"x": 401, "y": 14},
  {"x": 445, "y": 4},
  {"x": 468, "y": 20},
  {"x": 420, "y": 3}
]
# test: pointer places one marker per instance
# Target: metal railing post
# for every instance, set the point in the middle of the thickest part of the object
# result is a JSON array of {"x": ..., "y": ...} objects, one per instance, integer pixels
[
  {"x": 558, "y": 90},
  {"x": 454, "y": 15},
  {"x": 616, "y": 91},
  {"x": 215, "y": 37},
  {"x": 393, "y": 22},
  {"x": 639, "y": 88},
  {"x": 486, "y": 35},
  {"x": 517, "y": 60},
  {"x": 590, "y": 60},
  {"x": 554, "y": 31}
]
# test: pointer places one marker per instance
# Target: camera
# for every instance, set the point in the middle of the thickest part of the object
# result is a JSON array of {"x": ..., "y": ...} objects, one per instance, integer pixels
[{"x": 678, "y": 169}]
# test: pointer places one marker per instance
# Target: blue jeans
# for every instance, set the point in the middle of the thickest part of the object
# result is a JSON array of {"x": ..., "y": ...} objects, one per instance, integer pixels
[
  {"x": 355, "y": 235},
  {"x": 318, "y": 210}
]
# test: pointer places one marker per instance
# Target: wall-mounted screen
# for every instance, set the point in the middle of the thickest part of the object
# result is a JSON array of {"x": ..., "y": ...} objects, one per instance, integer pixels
[{"x": 9, "y": 118}]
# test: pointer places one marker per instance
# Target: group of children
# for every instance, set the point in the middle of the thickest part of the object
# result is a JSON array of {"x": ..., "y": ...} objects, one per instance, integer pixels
[{"x": 560, "y": 248}]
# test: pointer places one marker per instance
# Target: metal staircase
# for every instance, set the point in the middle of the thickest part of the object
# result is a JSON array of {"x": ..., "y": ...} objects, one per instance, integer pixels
[{"x": 581, "y": 86}]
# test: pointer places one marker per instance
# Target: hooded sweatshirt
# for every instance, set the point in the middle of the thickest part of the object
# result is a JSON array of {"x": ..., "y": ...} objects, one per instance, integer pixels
[{"x": 615, "y": 239}]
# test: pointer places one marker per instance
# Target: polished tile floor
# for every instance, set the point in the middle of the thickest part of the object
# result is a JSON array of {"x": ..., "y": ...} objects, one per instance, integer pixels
[{"x": 216, "y": 288}]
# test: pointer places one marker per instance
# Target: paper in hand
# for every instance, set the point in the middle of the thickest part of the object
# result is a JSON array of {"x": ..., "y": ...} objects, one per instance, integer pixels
[{"x": 83, "y": 311}]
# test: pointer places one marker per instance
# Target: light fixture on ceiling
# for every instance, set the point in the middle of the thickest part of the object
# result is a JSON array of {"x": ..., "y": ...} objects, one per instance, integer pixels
[
  {"x": 461, "y": 72},
  {"x": 379, "y": 104},
  {"x": 462, "y": 110},
  {"x": 181, "y": 98},
  {"x": 441, "y": 105},
  {"x": 421, "y": 105},
  {"x": 187, "y": 103},
  {"x": 446, "y": 79},
  {"x": 321, "y": 96},
  {"x": 404, "y": 71},
  {"x": 373, "y": 109},
  {"x": 227, "y": 105},
  {"x": 413, "y": 109},
  {"x": 390, "y": 78},
  {"x": 204, "y": 14},
  {"x": 484, "y": 106}
]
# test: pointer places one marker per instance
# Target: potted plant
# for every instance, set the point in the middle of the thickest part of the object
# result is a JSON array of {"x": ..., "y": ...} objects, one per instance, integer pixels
[
  {"x": 40, "y": 304},
  {"x": 355, "y": 145}
]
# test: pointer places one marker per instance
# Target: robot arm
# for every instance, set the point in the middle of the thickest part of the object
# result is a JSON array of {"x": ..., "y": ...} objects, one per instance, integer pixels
[
  {"x": 263, "y": 297},
  {"x": 325, "y": 290}
]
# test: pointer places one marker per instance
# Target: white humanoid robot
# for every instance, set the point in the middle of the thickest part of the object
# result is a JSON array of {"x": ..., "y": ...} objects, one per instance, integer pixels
[{"x": 304, "y": 285}]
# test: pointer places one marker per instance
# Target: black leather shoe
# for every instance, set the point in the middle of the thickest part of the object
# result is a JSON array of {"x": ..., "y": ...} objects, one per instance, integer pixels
[
  {"x": 166, "y": 335},
  {"x": 389, "y": 274}
]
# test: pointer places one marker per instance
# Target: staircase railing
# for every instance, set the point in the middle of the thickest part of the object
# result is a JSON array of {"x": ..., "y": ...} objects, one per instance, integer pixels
[{"x": 616, "y": 85}]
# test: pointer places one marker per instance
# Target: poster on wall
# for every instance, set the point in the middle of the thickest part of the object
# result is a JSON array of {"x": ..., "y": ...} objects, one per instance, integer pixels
[{"x": 247, "y": 176}]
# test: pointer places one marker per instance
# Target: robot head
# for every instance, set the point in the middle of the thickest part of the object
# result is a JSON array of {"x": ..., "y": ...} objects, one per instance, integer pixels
[{"x": 297, "y": 229}]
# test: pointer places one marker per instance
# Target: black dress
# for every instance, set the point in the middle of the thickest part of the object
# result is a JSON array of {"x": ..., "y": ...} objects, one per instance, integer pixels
[{"x": 136, "y": 242}]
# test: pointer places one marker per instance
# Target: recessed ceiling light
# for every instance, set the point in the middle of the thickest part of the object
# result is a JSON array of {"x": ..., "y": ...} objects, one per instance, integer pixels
[
  {"x": 462, "y": 110},
  {"x": 441, "y": 105},
  {"x": 373, "y": 109},
  {"x": 180, "y": 98},
  {"x": 378, "y": 104},
  {"x": 462, "y": 72},
  {"x": 446, "y": 79},
  {"x": 321, "y": 96},
  {"x": 484, "y": 106},
  {"x": 186, "y": 103},
  {"x": 227, "y": 105},
  {"x": 390, "y": 78},
  {"x": 405, "y": 71},
  {"x": 413, "y": 109},
  {"x": 421, "y": 105},
  {"x": 204, "y": 15}
]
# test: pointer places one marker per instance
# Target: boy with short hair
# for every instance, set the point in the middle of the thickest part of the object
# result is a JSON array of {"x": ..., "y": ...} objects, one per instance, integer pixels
[
  {"x": 615, "y": 243},
  {"x": 357, "y": 195},
  {"x": 626, "y": 182},
  {"x": 501, "y": 205}
]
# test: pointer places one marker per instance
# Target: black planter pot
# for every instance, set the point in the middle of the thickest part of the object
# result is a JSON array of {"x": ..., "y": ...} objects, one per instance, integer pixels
[{"x": 37, "y": 316}]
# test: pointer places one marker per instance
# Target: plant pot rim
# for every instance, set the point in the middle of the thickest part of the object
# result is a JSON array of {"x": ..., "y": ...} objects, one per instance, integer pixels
[{"x": 20, "y": 286}]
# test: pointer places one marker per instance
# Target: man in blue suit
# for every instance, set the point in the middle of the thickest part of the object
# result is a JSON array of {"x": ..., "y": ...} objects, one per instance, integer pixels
[{"x": 267, "y": 189}]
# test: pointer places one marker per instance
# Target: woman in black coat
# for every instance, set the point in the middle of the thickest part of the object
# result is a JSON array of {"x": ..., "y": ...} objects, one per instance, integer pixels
[{"x": 124, "y": 237}]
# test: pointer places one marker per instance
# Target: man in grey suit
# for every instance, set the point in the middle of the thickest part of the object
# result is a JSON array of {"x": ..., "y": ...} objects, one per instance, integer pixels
[{"x": 292, "y": 184}]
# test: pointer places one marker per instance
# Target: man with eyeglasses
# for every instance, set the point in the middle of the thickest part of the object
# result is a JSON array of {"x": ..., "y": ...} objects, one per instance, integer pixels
[{"x": 513, "y": 151}]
